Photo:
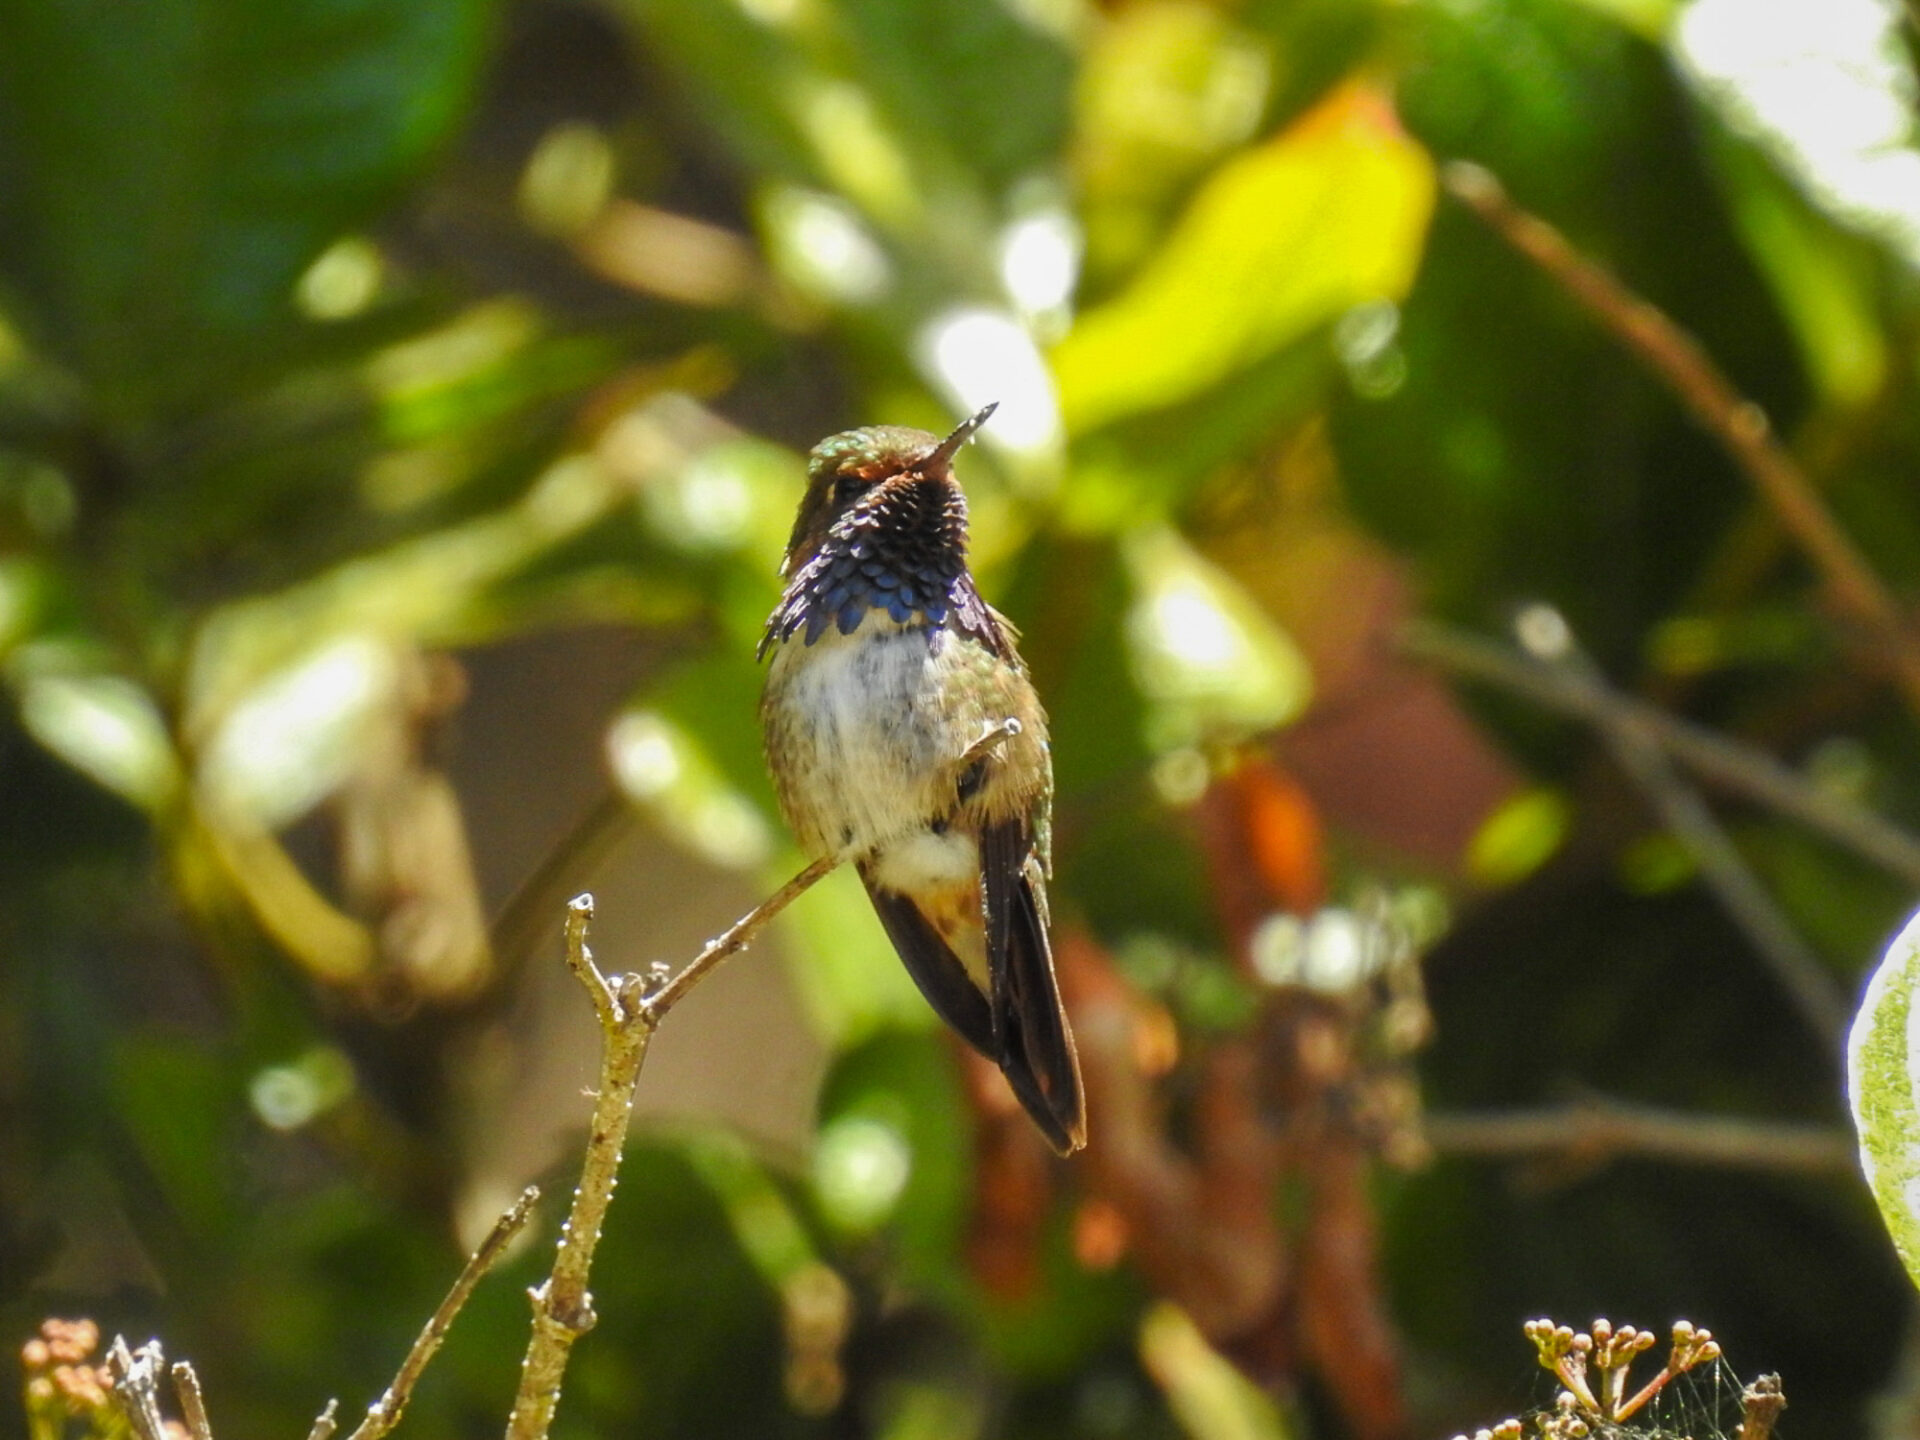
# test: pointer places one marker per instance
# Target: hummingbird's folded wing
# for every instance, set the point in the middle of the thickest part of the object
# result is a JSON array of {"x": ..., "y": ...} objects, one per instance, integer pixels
[
  {"x": 1034, "y": 1044},
  {"x": 934, "y": 967}
]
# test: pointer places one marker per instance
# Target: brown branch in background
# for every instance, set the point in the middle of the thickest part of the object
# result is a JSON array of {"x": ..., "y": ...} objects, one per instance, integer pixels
[
  {"x": 1798, "y": 969},
  {"x": 1600, "y": 1130},
  {"x": 1739, "y": 768},
  {"x": 1703, "y": 388},
  {"x": 385, "y": 1412},
  {"x": 1200, "y": 1229},
  {"x": 1344, "y": 1324}
]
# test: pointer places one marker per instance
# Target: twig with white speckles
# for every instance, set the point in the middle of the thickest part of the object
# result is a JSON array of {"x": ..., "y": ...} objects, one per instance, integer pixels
[
  {"x": 630, "y": 1008},
  {"x": 385, "y": 1412}
]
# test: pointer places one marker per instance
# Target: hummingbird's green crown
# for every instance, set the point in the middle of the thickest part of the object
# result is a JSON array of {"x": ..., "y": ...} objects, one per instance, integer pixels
[{"x": 871, "y": 451}]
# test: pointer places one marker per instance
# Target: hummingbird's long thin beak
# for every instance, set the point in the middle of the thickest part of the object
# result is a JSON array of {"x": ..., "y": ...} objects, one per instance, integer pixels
[{"x": 944, "y": 452}]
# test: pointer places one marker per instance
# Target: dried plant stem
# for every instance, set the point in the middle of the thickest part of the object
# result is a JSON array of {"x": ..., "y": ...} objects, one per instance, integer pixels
[
  {"x": 629, "y": 1010},
  {"x": 1760, "y": 1407},
  {"x": 562, "y": 1309},
  {"x": 136, "y": 1383},
  {"x": 193, "y": 1405},
  {"x": 1603, "y": 1129},
  {"x": 326, "y": 1422},
  {"x": 1737, "y": 423},
  {"x": 739, "y": 937},
  {"x": 1714, "y": 757},
  {"x": 385, "y": 1412}
]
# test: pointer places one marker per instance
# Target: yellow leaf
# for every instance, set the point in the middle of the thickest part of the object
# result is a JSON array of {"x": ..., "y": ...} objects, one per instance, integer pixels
[{"x": 1329, "y": 213}]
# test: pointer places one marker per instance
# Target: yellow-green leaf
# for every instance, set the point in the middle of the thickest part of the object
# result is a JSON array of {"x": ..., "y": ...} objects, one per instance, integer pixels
[{"x": 1331, "y": 212}]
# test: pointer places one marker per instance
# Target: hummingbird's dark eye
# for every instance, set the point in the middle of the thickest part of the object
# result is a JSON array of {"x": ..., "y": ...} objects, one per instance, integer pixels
[{"x": 846, "y": 487}]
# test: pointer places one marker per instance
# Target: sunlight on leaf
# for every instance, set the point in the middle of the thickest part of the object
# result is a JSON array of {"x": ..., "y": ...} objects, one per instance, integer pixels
[
  {"x": 1211, "y": 1399},
  {"x": 103, "y": 725},
  {"x": 1210, "y": 663},
  {"x": 819, "y": 245},
  {"x": 1519, "y": 837},
  {"x": 1828, "y": 87},
  {"x": 298, "y": 734},
  {"x": 1649, "y": 19},
  {"x": 663, "y": 768},
  {"x": 1883, "y": 1064},
  {"x": 979, "y": 356},
  {"x": 1329, "y": 214},
  {"x": 861, "y": 1164}
]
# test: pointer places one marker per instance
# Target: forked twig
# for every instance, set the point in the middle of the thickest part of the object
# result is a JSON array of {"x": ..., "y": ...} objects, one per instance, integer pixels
[
  {"x": 136, "y": 1382},
  {"x": 630, "y": 1009}
]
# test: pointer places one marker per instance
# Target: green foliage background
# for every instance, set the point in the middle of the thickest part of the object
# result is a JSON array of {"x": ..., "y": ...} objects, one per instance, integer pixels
[{"x": 337, "y": 336}]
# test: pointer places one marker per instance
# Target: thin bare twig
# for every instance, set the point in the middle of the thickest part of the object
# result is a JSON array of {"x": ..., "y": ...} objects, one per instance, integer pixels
[
  {"x": 1606, "y": 1129},
  {"x": 1809, "y": 984},
  {"x": 629, "y": 1010},
  {"x": 738, "y": 938},
  {"x": 193, "y": 1405},
  {"x": 1703, "y": 388},
  {"x": 385, "y": 1412},
  {"x": 1715, "y": 757},
  {"x": 326, "y": 1422}
]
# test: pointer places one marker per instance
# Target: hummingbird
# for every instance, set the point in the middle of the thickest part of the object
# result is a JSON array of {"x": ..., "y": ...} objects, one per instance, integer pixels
[{"x": 888, "y": 669}]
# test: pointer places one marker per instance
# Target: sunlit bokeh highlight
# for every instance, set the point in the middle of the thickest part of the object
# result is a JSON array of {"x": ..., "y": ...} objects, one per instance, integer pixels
[
  {"x": 344, "y": 281},
  {"x": 568, "y": 179},
  {"x": 979, "y": 356},
  {"x": 860, "y": 1166},
  {"x": 663, "y": 769},
  {"x": 820, "y": 246},
  {"x": 1829, "y": 87},
  {"x": 296, "y": 736},
  {"x": 105, "y": 726},
  {"x": 1211, "y": 664}
]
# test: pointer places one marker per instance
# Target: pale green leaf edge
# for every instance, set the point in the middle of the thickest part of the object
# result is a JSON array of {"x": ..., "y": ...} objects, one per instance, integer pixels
[{"x": 1881, "y": 1066}]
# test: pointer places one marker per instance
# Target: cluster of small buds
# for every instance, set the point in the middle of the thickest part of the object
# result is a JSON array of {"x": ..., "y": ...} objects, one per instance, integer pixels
[
  {"x": 1565, "y": 1351},
  {"x": 1582, "y": 1409},
  {"x": 1568, "y": 1353},
  {"x": 1566, "y": 1422},
  {"x": 1691, "y": 1347},
  {"x": 61, "y": 1383},
  {"x": 1505, "y": 1430}
]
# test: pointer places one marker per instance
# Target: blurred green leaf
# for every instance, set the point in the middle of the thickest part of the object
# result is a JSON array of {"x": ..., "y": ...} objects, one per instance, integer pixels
[
  {"x": 1002, "y": 102},
  {"x": 172, "y": 166},
  {"x": 1329, "y": 213}
]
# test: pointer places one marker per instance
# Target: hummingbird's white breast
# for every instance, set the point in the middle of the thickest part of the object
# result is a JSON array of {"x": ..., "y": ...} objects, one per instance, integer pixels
[{"x": 865, "y": 734}]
